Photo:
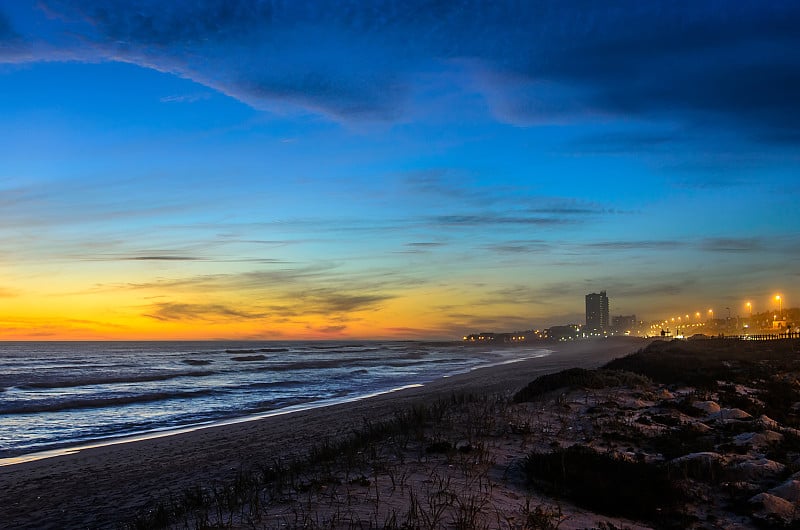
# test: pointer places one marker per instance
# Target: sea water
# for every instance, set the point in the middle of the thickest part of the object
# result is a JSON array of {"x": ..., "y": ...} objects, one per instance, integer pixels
[{"x": 63, "y": 394}]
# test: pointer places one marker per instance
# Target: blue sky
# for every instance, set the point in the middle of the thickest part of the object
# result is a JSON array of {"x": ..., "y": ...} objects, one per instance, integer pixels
[{"x": 223, "y": 169}]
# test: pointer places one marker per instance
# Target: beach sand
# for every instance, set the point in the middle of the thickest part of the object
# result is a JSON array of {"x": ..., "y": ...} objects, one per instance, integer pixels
[{"x": 105, "y": 486}]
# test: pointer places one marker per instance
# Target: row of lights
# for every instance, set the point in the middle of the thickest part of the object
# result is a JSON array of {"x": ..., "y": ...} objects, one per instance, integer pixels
[{"x": 687, "y": 323}]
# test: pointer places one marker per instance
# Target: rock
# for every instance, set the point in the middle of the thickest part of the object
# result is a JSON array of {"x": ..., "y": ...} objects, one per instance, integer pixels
[
  {"x": 767, "y": 422},
  {"x": 697, "y": 426},
  {"x": 706, "y": 456},
  {"x": 759, "y": 469},
  {"x": 709, "y": 407},
  {"x": 700, "y": 466},
  {"x": 730, "y": 414},
  {"x": 789, "y": 490},
  {"x": 744, "y": 488},
  {"x": 463, "y": 446},
  {"x": 666, "y": 394},
  {"x": 791, "y": 431},
  {"x": 757, "y": 439},
  {"x": 773, "y": 508}
]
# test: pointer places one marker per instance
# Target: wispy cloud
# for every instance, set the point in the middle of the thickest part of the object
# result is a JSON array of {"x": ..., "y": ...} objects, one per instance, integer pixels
[
  {"x": 723, "y": 244},
  {"x": 171, "y": 311},
  {"x": 185, "y": 98},
  {"x": 176, "y": 258},
  {"x": 61, "y": 327},
  {"x": 634, "y": 245},
  {"x": 159, "y": 258},
  {"x": 425, "y": 244},
  {"x": 256, "y": 281},
  {"x": 277, "y": 296},
  {"x": 327, "y": 300},
  {"x": 535, "y": 246},
  {"x": 469, "y": 220},
  {"x": 328, "y": 330},
  {"x": 420, "y": 247}
]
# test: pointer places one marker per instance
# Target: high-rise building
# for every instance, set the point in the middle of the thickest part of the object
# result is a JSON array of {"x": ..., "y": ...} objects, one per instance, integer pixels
[{"x": 597, "y": 312}]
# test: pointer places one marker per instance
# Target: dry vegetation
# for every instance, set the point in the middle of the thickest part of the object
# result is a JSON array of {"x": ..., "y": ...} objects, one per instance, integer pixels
[{"x": 678, "y": 435}]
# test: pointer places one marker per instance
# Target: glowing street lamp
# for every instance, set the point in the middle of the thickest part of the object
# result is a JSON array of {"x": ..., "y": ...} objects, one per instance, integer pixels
[
  {"x": 711, "y": 314},
  {"x": 749, "y": 307},
  {"x": 780, "y": 305}
]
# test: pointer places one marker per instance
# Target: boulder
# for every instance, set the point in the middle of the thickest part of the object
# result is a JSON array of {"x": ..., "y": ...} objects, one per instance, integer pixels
[
  {"x": 666, "y": 394},
  {"x": 767, "y": 422},
  {"x": 773, "y": 508},
  {"x": 708, "y": 407},
  {"x": 757, "y": 439},
  {"x": 700, "y": 466},
  {"x": 705, "y": 456},
  {"x": 789, "y": 490},
  {"x": 730, "y": 414},
  {"x": 759, "y": 469},
  {"x": 699, "y": 427}
]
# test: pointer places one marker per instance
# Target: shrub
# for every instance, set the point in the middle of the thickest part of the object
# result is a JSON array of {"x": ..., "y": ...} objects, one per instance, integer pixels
[
  {"x": 578, "y": 378},
  {"x": 606, "y": 483},
  {"x": 681, "y": 441}
]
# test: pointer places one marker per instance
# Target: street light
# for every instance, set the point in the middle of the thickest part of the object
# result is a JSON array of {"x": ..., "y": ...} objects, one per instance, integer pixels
[
  {"x": 749, "y": 307},
  {"x": 780, "y": 305},
  {"x": 711, "y": 314}
]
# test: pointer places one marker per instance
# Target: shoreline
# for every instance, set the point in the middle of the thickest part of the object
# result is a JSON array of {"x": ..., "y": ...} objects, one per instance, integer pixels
[
  {"x": 104, "y": 486},
  {"x": 133, "y": 437},
  {"x": 186, "y": 429}
]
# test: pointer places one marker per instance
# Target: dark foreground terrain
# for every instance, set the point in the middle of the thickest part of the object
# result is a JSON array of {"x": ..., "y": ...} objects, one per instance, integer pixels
[{"x": 680, "y": 434}]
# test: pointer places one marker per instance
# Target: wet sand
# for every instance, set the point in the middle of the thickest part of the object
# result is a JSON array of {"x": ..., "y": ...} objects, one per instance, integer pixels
[{"x": 103, "y": 487}]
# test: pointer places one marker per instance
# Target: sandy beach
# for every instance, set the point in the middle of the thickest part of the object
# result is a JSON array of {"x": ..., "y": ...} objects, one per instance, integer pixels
[{"x": 106, "y": 486}]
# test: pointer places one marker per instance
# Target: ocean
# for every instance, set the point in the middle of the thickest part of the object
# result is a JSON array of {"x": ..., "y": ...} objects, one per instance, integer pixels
[{"x": 57, "y": 395}]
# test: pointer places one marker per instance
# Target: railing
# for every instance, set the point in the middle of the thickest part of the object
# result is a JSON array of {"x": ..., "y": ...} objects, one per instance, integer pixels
[{"x": 763, "y": 336}]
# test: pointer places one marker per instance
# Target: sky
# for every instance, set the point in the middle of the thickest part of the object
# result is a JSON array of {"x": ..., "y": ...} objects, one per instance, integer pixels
[{"x": 222, "y": 169}]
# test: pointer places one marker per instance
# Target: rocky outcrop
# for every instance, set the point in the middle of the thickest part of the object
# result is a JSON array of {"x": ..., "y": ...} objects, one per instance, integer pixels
[
  {"x": 707, "y": 407},
  {"x": 730, "y": 414},
  {"x": 757, "y": 439},
  {"x": 758, "y": 469},
  {"x": 789, "y": 490},
  {"x": 773, "y": 509}
]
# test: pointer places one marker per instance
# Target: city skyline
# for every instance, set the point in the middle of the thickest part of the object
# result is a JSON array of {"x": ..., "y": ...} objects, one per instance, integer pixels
[
  {"x": 259, "y": 170},
  {"x": 599, "y": 320}
]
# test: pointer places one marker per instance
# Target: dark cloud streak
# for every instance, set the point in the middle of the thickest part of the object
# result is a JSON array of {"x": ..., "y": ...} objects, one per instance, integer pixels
[
  {"x": 634, "y": 245},
  {"x": 722, "y": 244},
  {"x": 501, "y": 220},
  {"x": 170, "y": 311},
  {"x": 710, "y": 65}
]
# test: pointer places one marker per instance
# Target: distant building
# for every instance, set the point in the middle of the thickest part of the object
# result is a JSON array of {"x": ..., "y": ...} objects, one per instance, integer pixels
[
  {"x": 570, "y": 332},
  {"x": 597, "y": 312},
  {"x": 623, "y": 323}
]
